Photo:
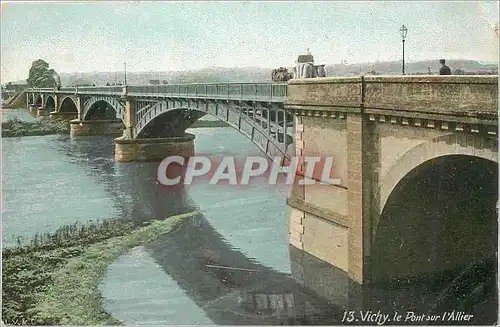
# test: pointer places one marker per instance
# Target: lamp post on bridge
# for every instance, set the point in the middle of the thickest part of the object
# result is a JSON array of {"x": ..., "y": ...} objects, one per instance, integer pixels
[
  {"x": 403, "y": 30},
  {"x": 125, "y": 78}
]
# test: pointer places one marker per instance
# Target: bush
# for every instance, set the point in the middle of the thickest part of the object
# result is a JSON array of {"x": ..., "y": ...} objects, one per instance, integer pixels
[{"x": 44, "y": 126}]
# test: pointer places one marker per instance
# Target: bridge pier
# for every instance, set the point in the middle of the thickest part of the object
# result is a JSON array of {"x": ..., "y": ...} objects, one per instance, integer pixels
[
  {"x": 96, "y": 127},
  {"x": 64, "y": 115},
  {"x": 153, "y": 149},
  {"x": 377, "y": 135},
  {"x": 41, "y": 111},
  {"x": 33, "y": 108}
]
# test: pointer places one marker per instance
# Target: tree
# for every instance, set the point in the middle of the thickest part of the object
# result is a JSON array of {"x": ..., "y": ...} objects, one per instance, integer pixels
[{"x": 40, "y": 75}]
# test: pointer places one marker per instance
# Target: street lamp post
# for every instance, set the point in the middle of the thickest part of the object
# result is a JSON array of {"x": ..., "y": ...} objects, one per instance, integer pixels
[
  {"x": 403, "y": 30},
  {"x": 125, "y": 78}
]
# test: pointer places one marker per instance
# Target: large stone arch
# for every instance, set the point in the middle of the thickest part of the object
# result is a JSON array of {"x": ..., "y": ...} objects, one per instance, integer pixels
[
  {"x": 113, "y": 102},
  {"x": 475, "y": 145},
  {"x": 456, "y": 168},
  {"x": 437, "y": 237},
  {"x": 227, "y": 111},
  {"x": 65, "y": 100}
]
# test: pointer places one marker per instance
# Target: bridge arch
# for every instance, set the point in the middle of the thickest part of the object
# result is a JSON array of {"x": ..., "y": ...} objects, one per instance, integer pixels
[
  {"x": 439, "y": 227},
  {"x": 92, "y": 104},
  {"x": 177, "y": 117},
  {"x": 438, "y": 215},
  {"x": 68, "y": 104},
  {"x": 50, "y": 102},
  {"x": 103, "y": 108},
  {"x": 474, "y": 145}
]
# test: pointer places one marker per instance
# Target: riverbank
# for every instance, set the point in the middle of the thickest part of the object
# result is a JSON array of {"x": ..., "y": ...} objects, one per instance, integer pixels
[
  {"x": 54, "y": 279},
  {"x": 14, "y": 127}
]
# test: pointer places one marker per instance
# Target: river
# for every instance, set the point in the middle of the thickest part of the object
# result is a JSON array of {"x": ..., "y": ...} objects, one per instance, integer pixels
[
  {"x": 231, "y": 264},
  {"x": 53, "y": 180}
]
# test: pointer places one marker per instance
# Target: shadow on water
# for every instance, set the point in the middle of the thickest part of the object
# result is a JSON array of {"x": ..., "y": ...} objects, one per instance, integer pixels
[
  {"x": 232, "y": 288},
  {"x": 227, "y": 285},
  {"x": 137, "y": 196}
]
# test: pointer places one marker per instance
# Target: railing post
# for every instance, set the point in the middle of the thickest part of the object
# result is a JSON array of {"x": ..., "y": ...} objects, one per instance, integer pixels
[
  {"x": 241, "y": 90},
  {"x": 255, "y": 91},
  {"x": 269, "y": 121},
  {"x": 271, "y": 91},
  {"x": 285, "y": 122},
  {"x": 254, "y": 113},
  {"x": 228, "y": 91}
]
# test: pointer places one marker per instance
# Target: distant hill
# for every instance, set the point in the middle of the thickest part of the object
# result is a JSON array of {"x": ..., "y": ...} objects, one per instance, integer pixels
[
  {"x": 419, "y": 67},
  {"x": 258, "y": 74},
  {"x": 206, "y": 75}
]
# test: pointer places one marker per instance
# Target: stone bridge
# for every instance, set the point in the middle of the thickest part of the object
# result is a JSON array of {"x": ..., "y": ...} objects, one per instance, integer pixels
[{"x": 387, "y": 135}]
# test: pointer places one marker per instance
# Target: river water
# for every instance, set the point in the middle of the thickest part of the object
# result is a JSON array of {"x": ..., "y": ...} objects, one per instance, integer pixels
[
  {"x": 50, "y": 181},
  {"x": 231, "y": 264}
]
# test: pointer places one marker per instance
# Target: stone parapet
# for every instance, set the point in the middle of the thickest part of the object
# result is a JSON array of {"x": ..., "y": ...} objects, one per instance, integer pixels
[
  {"x": 329, "y": 93},
  {"x": 471, "y": 96},
  {"x": 467, "y": 97}
]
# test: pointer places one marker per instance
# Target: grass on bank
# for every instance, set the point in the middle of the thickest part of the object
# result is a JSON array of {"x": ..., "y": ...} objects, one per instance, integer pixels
[
  {"x": 44, "y": 126},
  {"x": 59, "y": 285}
]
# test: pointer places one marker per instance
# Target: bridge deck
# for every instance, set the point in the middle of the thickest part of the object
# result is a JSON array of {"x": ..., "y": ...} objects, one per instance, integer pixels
[
  {"x": 269, "y": 92},
  {"x": 473, "y": 97}
]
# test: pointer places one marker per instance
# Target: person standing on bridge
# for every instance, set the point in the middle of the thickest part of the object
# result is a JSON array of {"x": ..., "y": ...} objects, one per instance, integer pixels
[{"x": 445, "y": 70}]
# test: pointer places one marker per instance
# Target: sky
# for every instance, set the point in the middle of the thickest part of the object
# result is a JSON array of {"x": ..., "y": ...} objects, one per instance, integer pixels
[{"x": 171, "y": 36}]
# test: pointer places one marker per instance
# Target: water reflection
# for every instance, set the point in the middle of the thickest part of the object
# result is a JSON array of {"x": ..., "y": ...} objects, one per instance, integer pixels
[
  {"x": 42, "y": 191},
  {"x": 207, "y": 271},
  {"x": 135, "y": 193},
  {"x": 229, "y": 287}
]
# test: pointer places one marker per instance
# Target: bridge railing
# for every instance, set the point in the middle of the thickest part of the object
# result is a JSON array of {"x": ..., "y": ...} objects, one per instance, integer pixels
[
  {"x": 240, "y": 91},
  {"x": 81, "y": 89},
  {"x": 100, "y": 89},
  {"x": 40, "y": 89},
  {"x": 244, "y": 91},
  {"x": 51, "y": 89},
  {"x": 66, "y": 89}
]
